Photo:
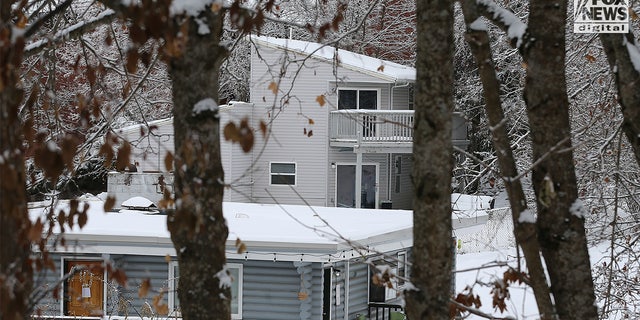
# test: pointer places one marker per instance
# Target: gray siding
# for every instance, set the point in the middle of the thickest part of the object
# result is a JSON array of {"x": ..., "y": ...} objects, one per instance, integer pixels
[
  {"x": 270, "y": 289},
  {"x": 400, "y": 97},
  {"x": 358, "y": 288},
  {"x": 290, "y": 119},
  {"x": 236, "y": 163},
  {"x": 404, "y": 198}
]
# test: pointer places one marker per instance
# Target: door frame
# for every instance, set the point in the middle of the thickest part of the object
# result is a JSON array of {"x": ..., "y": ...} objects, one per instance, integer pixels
[
  {"x": 63, "y": 265},
  {"x": 327, "y": 292},
  {"x": 349, "y": 163}
]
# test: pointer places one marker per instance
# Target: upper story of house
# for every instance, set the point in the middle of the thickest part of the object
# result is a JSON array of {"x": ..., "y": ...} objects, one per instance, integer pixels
[
  {"x": 339, "y": 130},
  {"x": 314, "y": 98},
  {"x": 350, "y": 98}
]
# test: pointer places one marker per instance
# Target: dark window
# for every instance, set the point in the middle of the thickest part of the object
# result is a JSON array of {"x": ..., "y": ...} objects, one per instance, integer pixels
[
  {"x": 347, "y": 99},
  {"x": 358, "y": 99},
  {"x": 283, "y": 173}
]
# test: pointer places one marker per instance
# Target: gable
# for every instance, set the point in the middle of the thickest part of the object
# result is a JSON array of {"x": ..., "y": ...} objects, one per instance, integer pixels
[{"x": 378, "y": 68}]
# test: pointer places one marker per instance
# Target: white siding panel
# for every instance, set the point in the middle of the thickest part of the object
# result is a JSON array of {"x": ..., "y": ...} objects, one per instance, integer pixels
[
  {"x": 404, "y": 198},
  {"x": 149, "y": 149},
  {"x": 290, "y": 112}
]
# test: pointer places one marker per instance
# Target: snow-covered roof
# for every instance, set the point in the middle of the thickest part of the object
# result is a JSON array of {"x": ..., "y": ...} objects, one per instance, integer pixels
[
  {"x": 382, "y": 69},
  {"x": 470, "y": 203},
  {"x": 136, "y": 128},
  {"x": 291, "y": 232}
]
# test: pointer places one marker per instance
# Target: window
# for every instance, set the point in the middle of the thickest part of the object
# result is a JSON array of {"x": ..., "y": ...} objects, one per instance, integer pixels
[
  {"x": 84, "y": 289},
  {"x": 235, "y": 277},
  {"x": 282, "y": 173},
  {"x": 357, "y": 99},
  {"x": 398, "y": 166},
  {"x": 174, "y": 301},
  {"x": 402, "y": 268},
  {"x": 397, "y": 267}
]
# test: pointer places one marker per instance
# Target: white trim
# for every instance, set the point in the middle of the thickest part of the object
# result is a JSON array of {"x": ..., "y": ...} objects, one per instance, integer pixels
[
  {"x": 294, "y": 174},
  {"x": 173, "y": 289},
  {"x": 240, "y": 281},
  {"x": 377, "y": 186}
]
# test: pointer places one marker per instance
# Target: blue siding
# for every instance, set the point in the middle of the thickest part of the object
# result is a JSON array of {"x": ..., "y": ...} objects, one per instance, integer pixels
[{"x": 270, "y": 289}]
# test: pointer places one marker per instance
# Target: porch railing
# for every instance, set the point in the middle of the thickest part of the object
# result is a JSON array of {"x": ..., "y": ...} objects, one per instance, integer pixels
[
  {"x": 372, "y": 125},
  {"x": 383, "y": 127},
  {"x": 384, "y": 311}
]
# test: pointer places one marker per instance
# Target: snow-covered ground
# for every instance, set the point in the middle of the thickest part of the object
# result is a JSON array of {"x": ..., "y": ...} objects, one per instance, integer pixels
[{"x": 479, "y": 270}]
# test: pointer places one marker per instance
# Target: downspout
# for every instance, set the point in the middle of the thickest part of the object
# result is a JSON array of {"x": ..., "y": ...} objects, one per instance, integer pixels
[{"x": 391, "y": 87}]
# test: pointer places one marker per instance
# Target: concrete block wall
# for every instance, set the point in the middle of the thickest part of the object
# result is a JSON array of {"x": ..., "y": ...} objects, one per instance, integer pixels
[{"x": 125, "y": 185}]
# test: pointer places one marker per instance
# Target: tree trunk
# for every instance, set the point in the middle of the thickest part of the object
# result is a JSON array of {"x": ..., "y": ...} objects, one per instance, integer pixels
[
  {"x": 432, "y": 163},
  {"x": 524, "y": 230},
  {"x": 561, "y": 233},
  {"x": 628, "y": 82},
  {"x": 16, "y": 275},
  {"x": 198, "y": 228}
]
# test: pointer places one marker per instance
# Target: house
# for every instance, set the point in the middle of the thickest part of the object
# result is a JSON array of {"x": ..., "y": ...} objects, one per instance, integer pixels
[
  {"x": 320, "y": 268},
  {"x": 340, "y": 130}
]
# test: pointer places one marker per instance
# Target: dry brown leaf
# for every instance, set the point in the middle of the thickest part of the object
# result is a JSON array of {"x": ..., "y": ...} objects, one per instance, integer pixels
[
  {"x": 145, "y": 286},
  {"x": 321, "y": 101},
  {"x": 168, "y": 161},
  {"x": 124, "y": 152},
  {"x": 109, "y": 203},
  {"x": 231, "y": 132},
  {"x": 35, "y": 232},
  {"x": 273, "y": 87},
  {"x": 263, "y": 128}
]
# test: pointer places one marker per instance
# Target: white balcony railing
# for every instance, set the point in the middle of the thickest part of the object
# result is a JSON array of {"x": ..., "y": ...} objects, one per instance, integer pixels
[{"x": 373, "y": 125}]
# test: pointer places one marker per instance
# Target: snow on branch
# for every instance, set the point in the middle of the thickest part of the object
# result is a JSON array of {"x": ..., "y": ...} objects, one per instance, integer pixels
[
  {"x": 69, "y": 32},
  {"x": 505, "y": 19},
  {"x": 634, "y": 53},
  {"x": 189, "y": 7}
]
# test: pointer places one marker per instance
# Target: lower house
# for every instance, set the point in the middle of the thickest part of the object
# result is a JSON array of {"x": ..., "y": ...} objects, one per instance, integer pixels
[{"x": 300, "y": 262}]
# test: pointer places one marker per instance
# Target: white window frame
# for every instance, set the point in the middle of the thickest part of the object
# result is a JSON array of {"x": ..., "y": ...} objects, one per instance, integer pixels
[
  {"x": 294, "y": 174},
  {"x": 377, "y": 90},
  {"x": 377, "y": 187},
  {"x": 173, "y": 289},
  {"x": 63, "y": 261},
  {"x": 401, "y": 270}
]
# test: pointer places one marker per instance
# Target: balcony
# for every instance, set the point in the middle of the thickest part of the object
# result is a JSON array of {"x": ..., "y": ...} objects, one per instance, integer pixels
[{"x": 382, "y": 131}]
